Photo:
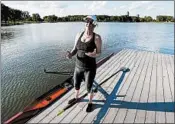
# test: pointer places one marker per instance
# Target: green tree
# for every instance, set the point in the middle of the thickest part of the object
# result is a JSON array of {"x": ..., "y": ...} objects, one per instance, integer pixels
[
  {"x": 169, "y": 19},
  {"x": 159, "y": 18},
  {"x": 163, "y": 18},
  {"x": 12, "y": 15},
  {"x": 148, "y": 19},
  {"x": 124, "y": 18},
  {"x": 36, "y": 17},
  {"x": 142, "y": 19},
  {"x": 112, "y": 18},
  {"x": 116, "y": 18},
  {"x": 5, "y": 13},
  {"x": 50, "y": 18},
  {"x": 18, "y": 14},
  {"x": 134, "y": 19},
  {"x": 25, "y": 15}
]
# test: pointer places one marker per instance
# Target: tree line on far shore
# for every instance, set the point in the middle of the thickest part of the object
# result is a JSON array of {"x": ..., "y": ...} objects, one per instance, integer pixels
[{"x": 15, "y": 16}]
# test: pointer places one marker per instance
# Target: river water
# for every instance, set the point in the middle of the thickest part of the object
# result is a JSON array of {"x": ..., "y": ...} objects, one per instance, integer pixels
[{"x": 27, "y": 49}]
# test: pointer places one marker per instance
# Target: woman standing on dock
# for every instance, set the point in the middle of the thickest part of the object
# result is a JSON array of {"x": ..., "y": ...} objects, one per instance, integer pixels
[{"x": 87, "y": 47}]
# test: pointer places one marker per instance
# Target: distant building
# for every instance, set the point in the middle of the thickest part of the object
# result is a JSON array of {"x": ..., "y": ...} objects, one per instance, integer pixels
[
  {"x": 128, "y": 18},
  {"x": 128, "y": 13}
]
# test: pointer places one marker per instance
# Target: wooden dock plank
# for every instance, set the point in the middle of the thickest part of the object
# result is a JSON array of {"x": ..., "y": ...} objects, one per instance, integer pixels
[
  {"x": 125, "y": 88},
  {"x": 170, "y": 117},
  {"x": 109, "y": 118},
  {"x": 171, "y": 61},
  {"x": 126, "y": 85},
  {"x": 167, "y": 91},
  {"x": 151, "y": 115},
  {"x": 131, "y": 113},
  {"x": 140, "y": 114},
  {"x": 160, "y": 115},
  {"x": 170, "y": 75},
  {"x": 120, "y": 117}
]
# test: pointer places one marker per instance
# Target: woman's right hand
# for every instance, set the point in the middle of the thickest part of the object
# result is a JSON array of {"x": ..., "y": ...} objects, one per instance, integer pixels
[{"x": 68, "y": 55}]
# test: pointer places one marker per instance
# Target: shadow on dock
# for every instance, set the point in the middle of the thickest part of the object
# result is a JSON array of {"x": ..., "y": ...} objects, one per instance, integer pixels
[{"x": 110, "y": 99}]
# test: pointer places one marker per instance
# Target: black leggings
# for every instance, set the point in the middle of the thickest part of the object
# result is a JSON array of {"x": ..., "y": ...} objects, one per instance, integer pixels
[{"x": 87, "y": 75}]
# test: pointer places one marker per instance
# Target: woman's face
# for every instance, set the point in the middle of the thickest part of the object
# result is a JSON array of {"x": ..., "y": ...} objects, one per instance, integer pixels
[{"x": 89, "y": 24}]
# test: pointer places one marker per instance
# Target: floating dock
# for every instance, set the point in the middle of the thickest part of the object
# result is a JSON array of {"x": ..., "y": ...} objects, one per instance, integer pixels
[{"x": 144, "y": 94}]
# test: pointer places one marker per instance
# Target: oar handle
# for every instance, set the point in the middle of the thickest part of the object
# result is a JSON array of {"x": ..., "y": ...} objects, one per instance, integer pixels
[
  {"x": 60, "y": 112},
  {"x": 55, "y": 72}
]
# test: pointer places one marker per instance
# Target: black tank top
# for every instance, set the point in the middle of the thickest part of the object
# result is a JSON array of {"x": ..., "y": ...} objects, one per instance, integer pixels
[{"x": 82, "y": 60}]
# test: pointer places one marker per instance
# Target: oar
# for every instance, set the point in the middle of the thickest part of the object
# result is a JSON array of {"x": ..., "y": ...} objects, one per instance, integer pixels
[
  {"x": 55, "y": 72},
  {"x": 99, "y": 63},
  {"x": 124, "y": 69},
  {"x": 95, "y": 90}
]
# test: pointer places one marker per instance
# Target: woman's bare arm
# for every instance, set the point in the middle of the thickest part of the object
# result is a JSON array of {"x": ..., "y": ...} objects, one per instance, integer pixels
[{"x": 74, "y": 50}]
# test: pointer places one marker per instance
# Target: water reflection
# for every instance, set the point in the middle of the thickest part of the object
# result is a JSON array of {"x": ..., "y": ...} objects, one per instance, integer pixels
[
  {"x": 6, "y": 35},
  {"x": 11, "y": 32}
]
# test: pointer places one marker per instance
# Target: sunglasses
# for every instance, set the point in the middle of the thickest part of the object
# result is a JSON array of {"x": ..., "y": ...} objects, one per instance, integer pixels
[{"x": 90, "y": 22}]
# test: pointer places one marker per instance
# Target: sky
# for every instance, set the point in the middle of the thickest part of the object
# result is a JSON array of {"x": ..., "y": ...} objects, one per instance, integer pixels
[{"x": 64, "y": 8}]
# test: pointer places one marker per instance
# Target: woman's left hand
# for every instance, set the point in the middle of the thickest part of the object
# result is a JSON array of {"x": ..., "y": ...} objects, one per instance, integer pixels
[{"x": 91, "y": 54}]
